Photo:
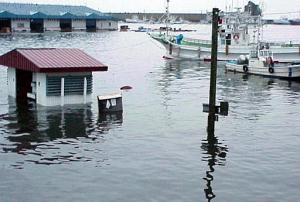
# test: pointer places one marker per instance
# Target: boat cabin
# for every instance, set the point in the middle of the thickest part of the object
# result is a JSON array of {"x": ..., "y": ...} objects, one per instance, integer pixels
[
  {"x": 261, "y": 58},
  {"x": 51, "y": 76},
  {"x": 234, "y": 28}
]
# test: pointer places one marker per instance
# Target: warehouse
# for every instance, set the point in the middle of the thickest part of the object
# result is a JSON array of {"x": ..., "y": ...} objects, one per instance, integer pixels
[{"x": 17, "y": 17}]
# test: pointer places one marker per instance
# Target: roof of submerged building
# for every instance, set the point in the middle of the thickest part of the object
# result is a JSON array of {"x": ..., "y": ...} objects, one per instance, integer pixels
[
  {"x": 21, "y": 10},
  {"x": 46, "y": 60}
]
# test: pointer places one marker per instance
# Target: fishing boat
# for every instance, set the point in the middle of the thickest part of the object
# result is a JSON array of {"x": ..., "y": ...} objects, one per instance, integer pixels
[
  {"x": 295, "y": 21},
  {"x": 237, "y": 33},
  {"x": 143, "y": 29},
  {"x": 134, "y": 19},
  {"x": 281, "y": 21},
  {"x": 261, "y": 62}
]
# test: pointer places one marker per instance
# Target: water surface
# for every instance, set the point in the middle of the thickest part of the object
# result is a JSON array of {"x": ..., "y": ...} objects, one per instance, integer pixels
[{"x": 157, "y": 150}]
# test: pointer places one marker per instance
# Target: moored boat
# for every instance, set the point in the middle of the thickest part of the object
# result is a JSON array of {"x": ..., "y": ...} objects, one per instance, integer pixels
[
  {"x": 281, "y": 21},
  {"x": 237, "y": 33},
  {"x": 199, "y": 49},
  {"x": 261, "y": 62},
  {"x": 295, "y": 21}
]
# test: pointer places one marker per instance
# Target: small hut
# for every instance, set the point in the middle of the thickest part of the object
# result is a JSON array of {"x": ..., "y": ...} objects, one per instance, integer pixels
[{"x": 51, "y": 76}]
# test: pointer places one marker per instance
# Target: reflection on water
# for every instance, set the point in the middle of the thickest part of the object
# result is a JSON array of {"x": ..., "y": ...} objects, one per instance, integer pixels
[
  {"x": 214, "y": 154},
  {"x": 52, "y": 135},
  {"x": 108, "y": 120},
  {"x": 255, "y": 92},
  {"x": 179, "y": 69},
  {"x": 178, "y": 76}
]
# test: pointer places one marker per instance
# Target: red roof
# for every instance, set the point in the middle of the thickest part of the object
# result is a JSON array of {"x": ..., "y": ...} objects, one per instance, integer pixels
[{"x": 51, "y": 60}]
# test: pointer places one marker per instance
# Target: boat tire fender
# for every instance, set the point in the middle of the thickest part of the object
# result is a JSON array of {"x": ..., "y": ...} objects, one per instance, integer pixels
[
  {"x": 236, "y": 37},
  {"x": 245, "y": 68},
  {"x": 271, "y": 69}
]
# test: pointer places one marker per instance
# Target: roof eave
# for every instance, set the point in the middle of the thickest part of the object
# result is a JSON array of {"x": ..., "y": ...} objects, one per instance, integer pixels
[{"x": 73, "y": 69}]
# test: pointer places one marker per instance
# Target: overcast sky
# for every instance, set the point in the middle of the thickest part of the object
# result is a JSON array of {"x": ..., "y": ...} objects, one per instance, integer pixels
[{"x": 270, "y": 6}]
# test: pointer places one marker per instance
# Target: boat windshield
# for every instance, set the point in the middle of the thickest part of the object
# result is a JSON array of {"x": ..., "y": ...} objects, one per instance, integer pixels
[
  {"x": 265, "y": 53},
  {"x": 253, "y": 54}
]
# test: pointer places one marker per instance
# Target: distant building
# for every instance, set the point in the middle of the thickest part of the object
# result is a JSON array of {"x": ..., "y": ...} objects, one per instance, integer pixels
[
  {"x": 253, "y": 9},
  {"x": 17, "y": 17}
]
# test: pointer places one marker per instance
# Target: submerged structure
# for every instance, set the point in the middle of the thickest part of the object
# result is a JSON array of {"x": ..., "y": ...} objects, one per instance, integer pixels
[
  {"x": 51, "y": 76},
  {"x": 18, "y": 17}
]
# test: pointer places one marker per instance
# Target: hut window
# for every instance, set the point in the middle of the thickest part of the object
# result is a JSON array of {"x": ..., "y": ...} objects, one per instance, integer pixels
[
  {"x": 73, "y": 85},
  {"x": 109, "y": 24},
  {"x": 53, "y": 86}
]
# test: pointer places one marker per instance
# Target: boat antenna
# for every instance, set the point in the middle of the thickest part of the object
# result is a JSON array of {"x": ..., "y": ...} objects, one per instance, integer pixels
[
  {"x": 168, "y": 16},
  {"x": 254, "y": 37}
]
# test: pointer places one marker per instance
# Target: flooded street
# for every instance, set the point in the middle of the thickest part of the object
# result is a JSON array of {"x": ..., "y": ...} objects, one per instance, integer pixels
[{"x": 157, "y": 150}]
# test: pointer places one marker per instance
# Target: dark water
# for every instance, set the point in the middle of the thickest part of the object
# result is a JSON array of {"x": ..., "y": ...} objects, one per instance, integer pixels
[{"x": 157, "y": 150}]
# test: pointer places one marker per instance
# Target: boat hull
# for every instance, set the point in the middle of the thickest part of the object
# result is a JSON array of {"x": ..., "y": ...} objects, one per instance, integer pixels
[
  {"x": 203, "y": 51},
  {"x": 290, "y": 72}
]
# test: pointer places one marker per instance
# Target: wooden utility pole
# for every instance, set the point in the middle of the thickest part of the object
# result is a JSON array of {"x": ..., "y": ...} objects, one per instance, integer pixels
[{"x": 213, "y": 72}]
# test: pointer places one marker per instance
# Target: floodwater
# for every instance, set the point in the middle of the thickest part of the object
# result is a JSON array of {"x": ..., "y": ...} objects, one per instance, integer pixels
[{"x": 157, "y": 150}]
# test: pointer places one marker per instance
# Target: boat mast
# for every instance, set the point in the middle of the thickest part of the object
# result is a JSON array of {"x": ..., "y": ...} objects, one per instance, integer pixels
[{"x": 168, "y": 16}]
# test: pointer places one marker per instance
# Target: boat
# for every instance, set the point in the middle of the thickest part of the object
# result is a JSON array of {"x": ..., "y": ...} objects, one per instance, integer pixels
[
  {"x": 238, "y": 32},
  {"x": 261, "y": 62},
  {"x": 143, "y": 29},
  {"x": 177, "y": 20},
  {"x": 295, "y": 21},
  {"x": 124, "y": 28},
  {"x": 134, "y": 19},
  {"x": 281, "y": 21}
]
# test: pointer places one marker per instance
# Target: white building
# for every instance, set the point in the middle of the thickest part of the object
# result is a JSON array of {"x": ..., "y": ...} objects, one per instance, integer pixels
[
  {"x": 51, "y": 76},
  {"x": 16, "y": 17}
]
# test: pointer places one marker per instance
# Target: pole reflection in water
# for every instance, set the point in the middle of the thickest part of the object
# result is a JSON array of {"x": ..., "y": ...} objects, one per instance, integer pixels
[
  {"x": 54, "y": 135},
  {"x": 215, "y": 155}
]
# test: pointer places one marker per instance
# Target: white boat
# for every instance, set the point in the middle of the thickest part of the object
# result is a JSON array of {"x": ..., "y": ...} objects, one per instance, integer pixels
[
  {"x": 295, "y": 21},
  {"x": 134, "y": 19},
  {"x": 281, "y": 21},
  {"x": 238, "y": 32},
  {"x": 261, "y": 62},
  {"x": 177, "y": 20}
]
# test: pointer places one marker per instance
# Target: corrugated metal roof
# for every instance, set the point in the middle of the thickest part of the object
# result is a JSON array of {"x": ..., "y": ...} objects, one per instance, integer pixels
[
  {"x": 22, "y": 10},
  {"x": 5, "y": 14},
  {"x": 51, "y": 60}
]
